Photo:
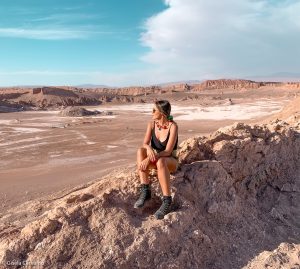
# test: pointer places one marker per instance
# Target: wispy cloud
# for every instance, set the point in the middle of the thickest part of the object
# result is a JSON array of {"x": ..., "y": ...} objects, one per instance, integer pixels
[
  {"x": 46, "y": 73},
  {"x": 49, "y": 34},
  {"x": 53, "y": 24},
  {"x": 65, "y": 18}
]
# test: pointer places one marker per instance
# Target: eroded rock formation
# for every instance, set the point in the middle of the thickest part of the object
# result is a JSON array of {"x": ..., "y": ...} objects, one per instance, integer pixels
[
  {"x": 240, "y": 84},
  {"x": 46, "y": 97},
  {"x": 77, "y": 112},
  {"x": 55, "y": 97}
]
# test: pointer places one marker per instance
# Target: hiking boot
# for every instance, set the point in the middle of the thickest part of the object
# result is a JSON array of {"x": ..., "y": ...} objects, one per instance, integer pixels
[
  {"x": 144, "y": 196},
  {"x": 165, "y": 207}
]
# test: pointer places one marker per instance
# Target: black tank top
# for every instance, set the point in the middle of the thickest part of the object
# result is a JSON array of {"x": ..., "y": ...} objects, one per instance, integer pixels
[{"x": 157, "y": 144}]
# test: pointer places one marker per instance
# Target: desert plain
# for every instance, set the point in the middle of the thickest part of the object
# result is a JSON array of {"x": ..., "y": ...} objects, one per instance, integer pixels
[
  {"x": 43, "y": 152},
  {"x": 68, "y": 182}
]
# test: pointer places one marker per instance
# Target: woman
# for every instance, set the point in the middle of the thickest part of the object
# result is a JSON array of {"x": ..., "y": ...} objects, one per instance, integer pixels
[{"x": 158, "y": 151}]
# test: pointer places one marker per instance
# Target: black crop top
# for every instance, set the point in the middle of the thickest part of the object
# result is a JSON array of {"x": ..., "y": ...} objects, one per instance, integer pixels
[{"x": 157, "y": 144}]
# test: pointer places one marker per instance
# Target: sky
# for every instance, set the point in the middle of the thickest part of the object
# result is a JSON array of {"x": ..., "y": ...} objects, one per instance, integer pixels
[{"x": 146, "y": 42}]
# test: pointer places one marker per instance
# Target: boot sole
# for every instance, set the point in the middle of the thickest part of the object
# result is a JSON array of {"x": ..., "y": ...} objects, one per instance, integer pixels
[{"x": 146, "y": 201}]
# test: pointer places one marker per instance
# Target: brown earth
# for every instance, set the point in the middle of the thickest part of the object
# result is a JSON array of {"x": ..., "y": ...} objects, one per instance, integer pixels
[{"x": 236, "y": 205}]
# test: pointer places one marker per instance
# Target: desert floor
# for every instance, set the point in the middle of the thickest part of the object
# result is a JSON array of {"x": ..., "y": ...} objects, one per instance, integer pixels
[{"x": 42, "y": 153}]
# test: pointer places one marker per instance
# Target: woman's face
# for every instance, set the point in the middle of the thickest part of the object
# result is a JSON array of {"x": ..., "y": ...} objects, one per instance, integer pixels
[{"x": 156, "y": 114}]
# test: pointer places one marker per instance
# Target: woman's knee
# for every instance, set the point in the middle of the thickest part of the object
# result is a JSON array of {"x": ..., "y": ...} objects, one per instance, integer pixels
[{"x": 161, "y": 163}]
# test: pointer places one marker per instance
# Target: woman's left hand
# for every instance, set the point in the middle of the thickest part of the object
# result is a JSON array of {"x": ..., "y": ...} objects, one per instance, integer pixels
[
  {"x": 151, "y": 154},
  {"x": 144, "y": 164}
]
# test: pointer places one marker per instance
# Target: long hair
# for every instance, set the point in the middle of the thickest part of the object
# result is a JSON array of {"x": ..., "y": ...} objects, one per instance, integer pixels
[{"x": 164, "y": 107}]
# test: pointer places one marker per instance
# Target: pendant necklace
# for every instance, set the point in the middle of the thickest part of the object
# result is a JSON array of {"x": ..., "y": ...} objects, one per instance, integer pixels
[{"x": 162, "y": 126}]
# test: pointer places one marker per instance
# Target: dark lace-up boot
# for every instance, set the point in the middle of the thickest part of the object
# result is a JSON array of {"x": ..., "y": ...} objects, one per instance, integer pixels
[
  {"x": 165, "y": 207},
  {"x": 144, "y": 196}
]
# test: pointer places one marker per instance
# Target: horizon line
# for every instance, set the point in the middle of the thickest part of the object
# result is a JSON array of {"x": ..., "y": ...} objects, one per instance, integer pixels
[{"x": 188, "y": 82}]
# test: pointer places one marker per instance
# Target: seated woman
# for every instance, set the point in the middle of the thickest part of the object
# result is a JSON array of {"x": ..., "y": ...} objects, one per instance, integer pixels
[{"x": 158, "y": 151}]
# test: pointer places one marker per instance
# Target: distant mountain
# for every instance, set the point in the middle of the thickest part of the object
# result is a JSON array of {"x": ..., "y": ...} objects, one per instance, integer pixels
[
  {"x": 179, "y": 82},
  {"x": 275, "y": 77},
  {"x": 92, "y": 86}
]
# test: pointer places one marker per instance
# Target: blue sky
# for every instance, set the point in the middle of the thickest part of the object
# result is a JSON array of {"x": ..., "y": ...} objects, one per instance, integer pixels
[{"x": 141, "y": 42}]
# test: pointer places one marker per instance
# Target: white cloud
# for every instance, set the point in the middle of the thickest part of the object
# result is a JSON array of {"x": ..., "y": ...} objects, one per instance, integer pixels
[{"x": 196, "y": 39}]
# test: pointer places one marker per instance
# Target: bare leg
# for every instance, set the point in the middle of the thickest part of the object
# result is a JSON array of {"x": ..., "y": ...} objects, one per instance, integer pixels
[
  {"x": 165, "y": 165},
  {"x": 144, "y": 175}
]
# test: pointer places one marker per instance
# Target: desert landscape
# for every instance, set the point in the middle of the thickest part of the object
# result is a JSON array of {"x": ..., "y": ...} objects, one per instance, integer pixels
[{"x": 68, "y": 177}]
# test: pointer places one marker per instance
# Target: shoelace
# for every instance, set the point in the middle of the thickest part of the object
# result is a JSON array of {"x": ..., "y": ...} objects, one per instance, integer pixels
[
  {"x": 143, "y": 194},
  {"x": 164, "y": 208}
]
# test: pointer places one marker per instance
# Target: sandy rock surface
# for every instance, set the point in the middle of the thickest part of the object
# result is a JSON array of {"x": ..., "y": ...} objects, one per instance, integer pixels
[
  {"x": 286, "y": 255},
  {"x": 291, "y": 113},
  {"x": 236, "y": 205}
]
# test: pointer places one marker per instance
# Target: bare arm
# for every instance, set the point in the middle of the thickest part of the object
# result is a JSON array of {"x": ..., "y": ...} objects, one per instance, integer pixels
[
  {"x": 147, "y": 139},
  {"x": 171, "y": 142}
]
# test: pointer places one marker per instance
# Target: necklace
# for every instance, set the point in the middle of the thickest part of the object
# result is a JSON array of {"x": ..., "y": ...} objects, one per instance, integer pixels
[{"x": 165, "y": 126}]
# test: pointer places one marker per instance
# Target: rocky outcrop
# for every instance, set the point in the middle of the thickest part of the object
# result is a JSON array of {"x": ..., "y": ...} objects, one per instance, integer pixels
[
  {"x": 47, "y": 97},
  {"x": 286, "y": 255},
  {"x": 236, "y": 195},
  {"x": 77, "y": 112},
  {"x": 177, "y": 88},
  {"x": 127, "y": 91},
  {"x": 51, "y": 97},
  {"x": 227, "y": 83},
  {"x": 54, "y": 91},
  {"x": 240, "y": 84},
  {"x": 121, "y": 99},
  {"x": 7, "y": 107}
]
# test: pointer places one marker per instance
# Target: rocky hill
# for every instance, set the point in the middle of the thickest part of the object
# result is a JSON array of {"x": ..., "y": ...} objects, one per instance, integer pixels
[
  {"x": 45, "y": 97},
  {"x": 236, "y": 205},
  {"x": 56, "y": 97},
  {"x": 239, "y": 84}
]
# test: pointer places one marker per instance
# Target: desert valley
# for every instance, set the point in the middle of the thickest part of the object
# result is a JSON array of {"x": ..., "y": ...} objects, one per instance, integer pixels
[{"x": 68, "y": 177}]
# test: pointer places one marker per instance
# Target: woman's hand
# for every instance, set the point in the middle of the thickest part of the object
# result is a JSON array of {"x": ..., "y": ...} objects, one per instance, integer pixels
[
  {"x": 151, "y": 154},
  {"x": 144, "y": 164}
]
